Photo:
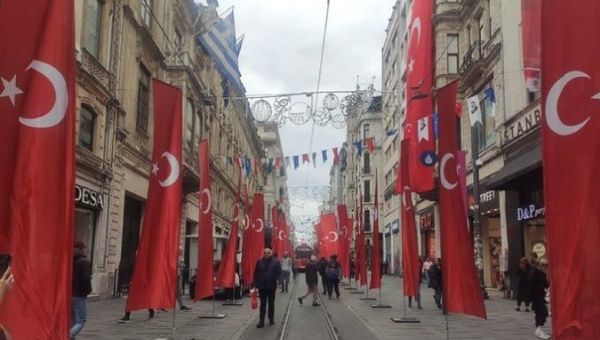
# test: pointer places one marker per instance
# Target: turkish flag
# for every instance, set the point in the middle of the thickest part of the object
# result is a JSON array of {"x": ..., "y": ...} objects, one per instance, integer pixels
[
  {"x": 410, "y": 260},
  {"x": 276, "y": 243},
  {"x": 205, "y": 270},
  {"x": 247, "y": 258},
  {"x": 37, "y": 169},
  {"x": 570, "y": 153},
  {"x": 531, "y": 28},
  {"x": 154, "y": 283},
  {"x": 418, "y": 125},
  {"x": 343, "y": 249},
  {"x": 376, "y": 249},
  {"x": 362, "y": 253},
  {"x": 329, "y": 235},
  {"x": 226, "y": 273},
  {"x": 461, "y": 291},
  {"x": 258, "y": 225}
]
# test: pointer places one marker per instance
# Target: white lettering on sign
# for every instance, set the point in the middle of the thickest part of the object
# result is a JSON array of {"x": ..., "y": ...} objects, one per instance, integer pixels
[
  {"x": 89, "y": 197},
  {"x": 529, "y": 212},
  {"x": 487, "y": 196},
  {"x": 522, "y": 125}
]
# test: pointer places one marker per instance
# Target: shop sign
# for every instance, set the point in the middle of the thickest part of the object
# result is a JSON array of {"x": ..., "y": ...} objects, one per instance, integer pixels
[
  {"x": 426, "y": 220},
  {"x": 529, "y": 212},
  {"x": 88, "y": 197},
  {"x": 522, "y": 125}
]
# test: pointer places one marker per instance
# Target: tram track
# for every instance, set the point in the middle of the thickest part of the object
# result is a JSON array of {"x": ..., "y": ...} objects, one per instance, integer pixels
[{"x": 289, "y": 312}]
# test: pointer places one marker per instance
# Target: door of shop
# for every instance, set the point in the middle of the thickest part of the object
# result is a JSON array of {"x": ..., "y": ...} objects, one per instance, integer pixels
[{"x": 131, "y": 232}]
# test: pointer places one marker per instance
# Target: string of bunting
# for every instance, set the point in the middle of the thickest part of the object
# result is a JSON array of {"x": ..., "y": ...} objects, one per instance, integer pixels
[{"x": 252, "y": 166}]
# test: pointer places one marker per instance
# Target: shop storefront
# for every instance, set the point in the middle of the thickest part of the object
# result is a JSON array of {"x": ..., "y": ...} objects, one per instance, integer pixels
[
  {"x": 490, "y": 236},
  {"x": 428, "y": 238},
  {"x": 89, "y": 205}
]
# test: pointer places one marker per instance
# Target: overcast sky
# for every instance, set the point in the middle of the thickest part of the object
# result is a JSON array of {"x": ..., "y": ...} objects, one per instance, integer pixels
[{"x": 281, "y": 54}]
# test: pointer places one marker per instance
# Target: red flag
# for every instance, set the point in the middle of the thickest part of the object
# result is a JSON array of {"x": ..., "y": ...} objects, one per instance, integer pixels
[
  {"x": 410, "y": 260},
  {"x": 370, "y": 144},
  {"x": 204, "y": 276},
  {"x": 247, "y": 257},
  {"x": 283, "y": 234},
  {"x": 305, "y": 158},
  {"x": 376, "y": 249},
  {"x": 37, "y": 169},
  {"x": 328, "y": 235},
  {"x": 356, "y": 232},
  {"x": 278, "y": 162},
  {"x": 570, "y": 144},
  {"x": 531, "y": 28},
  {"x": 154, "y": 276},
  {"x": 226, "y": 273},
  {"x": 462, "y": 293},
  {"x": 461, "y": 163},
  {"x": 419, "y": 104},
  {"x": 276, "y": 241},
  {"x": 258, "y": 226},
  {"x": 362, "y": 257},
  {"x": 343, "y": 253},
  {"x": 336, "y": 155}
]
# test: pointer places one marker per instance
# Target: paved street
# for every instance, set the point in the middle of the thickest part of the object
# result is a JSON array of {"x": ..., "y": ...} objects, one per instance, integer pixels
[{"x": 352, "y": 318}]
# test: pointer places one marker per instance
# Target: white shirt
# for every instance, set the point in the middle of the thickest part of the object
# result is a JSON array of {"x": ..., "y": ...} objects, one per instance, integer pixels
[{"x": 286, "y": 264}]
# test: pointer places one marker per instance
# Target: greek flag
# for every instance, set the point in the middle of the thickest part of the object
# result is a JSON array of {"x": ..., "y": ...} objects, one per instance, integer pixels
[{"x": 220, "y": 43}]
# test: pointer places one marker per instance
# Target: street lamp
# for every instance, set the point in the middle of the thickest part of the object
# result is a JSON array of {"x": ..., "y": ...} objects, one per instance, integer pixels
[{"x": 478, "y": 244}]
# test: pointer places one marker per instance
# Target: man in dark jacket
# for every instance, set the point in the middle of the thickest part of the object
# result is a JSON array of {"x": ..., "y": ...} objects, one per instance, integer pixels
[
  {"x": 524, "y": 273},
  {"x": 538, "y": 285},
  {"x": 322, "y": 269},
  {"x": 266, "y": 274},
  {"x": 333, "y": 273},
  {"x": 435, "y": 281},
  {"x": 312, "y": 281},
  {"x": 81, "y": 288}
]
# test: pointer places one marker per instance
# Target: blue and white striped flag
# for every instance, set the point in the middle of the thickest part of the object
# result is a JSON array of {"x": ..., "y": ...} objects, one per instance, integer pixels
[{"x": 220, "y": 43}]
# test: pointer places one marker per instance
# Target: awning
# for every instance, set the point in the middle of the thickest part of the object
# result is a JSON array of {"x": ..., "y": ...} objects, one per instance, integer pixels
[{"x": 527, "y": 160}]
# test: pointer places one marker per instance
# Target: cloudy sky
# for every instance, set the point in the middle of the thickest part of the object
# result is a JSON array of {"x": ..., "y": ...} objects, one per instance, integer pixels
[{"x": 281, "y": 53}]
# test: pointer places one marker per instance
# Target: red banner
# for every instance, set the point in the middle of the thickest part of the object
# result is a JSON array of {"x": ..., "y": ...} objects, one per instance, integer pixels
[
  {"x": 350, "y": 227},
  {"x": 461, "y": 291},
  {"x": 419, "y": 125},
  {"x": 248, "y": 262},
  {"x": 376, "y": 249},
  {"x": 154, "y": 276},
  {"x": 258, "y": 226},
  {"x": 205, "y": 270},
  {"x": 531, "y": 28},
  {"x": 328, "y": 235},
  {"x": 343, "y": 249},
  {"x": 362, "y": 253},
  {"x": 37, "y": 169},
  {"x": 226, "y": 273},
  {"x": 570, "y": 144},
  {"x": 410, "y": 256}
]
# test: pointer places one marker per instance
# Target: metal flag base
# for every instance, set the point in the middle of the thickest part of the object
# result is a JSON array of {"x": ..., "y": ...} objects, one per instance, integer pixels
[
  {"x": 367, "y": 298},
  {"x": 380, "y": 305},
  {"x": 212, "y": 316},
  {"x": 405, "y": 320},
  {"x": 350, "y": 288},
  {"x": 233, "y": 303},
  {"x": 343, "y": 284},
  {"x": 356, "y": 292}
]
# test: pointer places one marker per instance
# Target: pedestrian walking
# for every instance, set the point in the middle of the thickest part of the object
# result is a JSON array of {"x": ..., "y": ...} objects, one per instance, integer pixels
[
  {"x": 80, "y": 289},
  {"x": 352, "y": 268},
  {"x": 524, "y": 273},
  {"x": 311, "y": 275},
  {"x": 539, "y": 284},
  {"x": 286, "y": 268},
  {"x": 266, "y": 273},
  {"x": 333, "y": 273},
  {"x": 425, "y": 270},
  {"x": 435, "y": 281},
  {"x": 322, "y": 269}
]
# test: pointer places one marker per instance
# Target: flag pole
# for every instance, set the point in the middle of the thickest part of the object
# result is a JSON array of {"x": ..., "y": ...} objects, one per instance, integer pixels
[
  {"x": 213, "y": 315},
  {"x": 405, "y": 319}
]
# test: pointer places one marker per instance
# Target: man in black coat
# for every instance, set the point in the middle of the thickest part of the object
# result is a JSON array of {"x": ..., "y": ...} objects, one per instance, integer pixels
[
  {"x": 266, "y": 274},
  {"x": 435, "y": 281},
  {"x": 311, "y": 275},
  {"x": 81, "y": 288},
  {"x": 322, "y": 269}
]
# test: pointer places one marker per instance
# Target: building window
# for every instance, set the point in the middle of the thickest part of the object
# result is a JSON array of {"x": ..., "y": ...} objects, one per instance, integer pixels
[
  {"x": 367, "y": 191},
  {"x": 367, "y": 163},
  {"x": 366, "y": 131},
  {"x": 143, "y": 100},
  {"x": 481, "y": 33},
  {"x": 87, "y": 123},
  {"x": 147, "y": 6},
  {"x": 486, "y": 133},
  {"x": 452, "y": 53},
  {"x": 281, "y": 192},
  {"x": 91, "y": 38},
  {"x": 367, "y": 220},
  {"x": 192, "y": 125}
]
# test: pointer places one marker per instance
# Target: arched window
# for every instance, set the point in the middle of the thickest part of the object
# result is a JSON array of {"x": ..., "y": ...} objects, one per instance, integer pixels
[{"x": 87, "y": 125}]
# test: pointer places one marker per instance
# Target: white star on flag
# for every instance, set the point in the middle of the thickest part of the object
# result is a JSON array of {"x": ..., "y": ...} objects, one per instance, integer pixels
[
  {"x": 154, "y": 168},
  {"x": 10, "y": 89},
  {"x": 411, "y": 65}
]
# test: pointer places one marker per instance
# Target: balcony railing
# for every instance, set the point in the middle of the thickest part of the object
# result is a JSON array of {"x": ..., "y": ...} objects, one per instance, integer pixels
[{"x": 472, "y": 57}]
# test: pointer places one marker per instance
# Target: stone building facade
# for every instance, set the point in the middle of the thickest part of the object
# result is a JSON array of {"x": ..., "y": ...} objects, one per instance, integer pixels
[{"x": 121, "y": 46}]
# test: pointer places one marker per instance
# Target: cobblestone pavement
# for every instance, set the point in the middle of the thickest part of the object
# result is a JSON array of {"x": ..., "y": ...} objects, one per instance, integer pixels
[{"x": 352, "y": 317}]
